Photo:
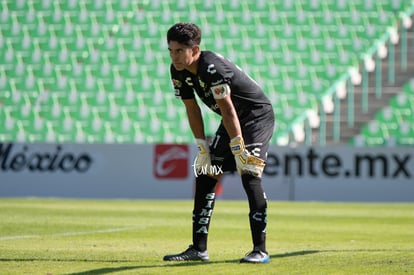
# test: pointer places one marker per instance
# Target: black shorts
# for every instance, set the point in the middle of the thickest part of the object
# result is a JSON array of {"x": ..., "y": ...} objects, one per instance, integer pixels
[{"x": 256, "y": 132}]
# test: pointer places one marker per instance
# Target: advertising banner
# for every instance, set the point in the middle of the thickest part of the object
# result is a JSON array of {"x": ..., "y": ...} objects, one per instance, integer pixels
[
  {"x": 165, "y": 171},
  {"x": 339, "y": 173},
  {"x": 95, "y": 170}
]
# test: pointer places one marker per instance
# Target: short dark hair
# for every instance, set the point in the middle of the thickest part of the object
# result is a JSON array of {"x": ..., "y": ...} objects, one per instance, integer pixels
[{"x": 188, "y": 34}]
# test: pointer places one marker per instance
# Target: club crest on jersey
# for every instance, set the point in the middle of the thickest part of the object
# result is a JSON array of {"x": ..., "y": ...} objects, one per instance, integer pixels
[{"x": 177, "y": 83}]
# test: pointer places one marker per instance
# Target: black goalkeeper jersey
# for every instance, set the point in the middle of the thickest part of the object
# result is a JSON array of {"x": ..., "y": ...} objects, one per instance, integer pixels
[{"x": 213, "y": 69}]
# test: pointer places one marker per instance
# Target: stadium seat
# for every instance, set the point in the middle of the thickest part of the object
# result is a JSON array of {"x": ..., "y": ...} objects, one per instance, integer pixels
[{"x": 373, "y": 134}]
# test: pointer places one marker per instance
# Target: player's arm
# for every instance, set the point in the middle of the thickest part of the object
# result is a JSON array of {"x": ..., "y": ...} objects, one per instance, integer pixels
[
  {"x": 229, "y": 116},
  {"x": 222, "y": 96},
  {"x": 245, "y": 162},
  {"x": 195, "y": 118}
]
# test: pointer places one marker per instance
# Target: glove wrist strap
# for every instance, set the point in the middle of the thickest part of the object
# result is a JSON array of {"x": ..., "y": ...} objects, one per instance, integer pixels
[
  {"x": 237, "y": 145},
  {"x": 202, "y": 145}
]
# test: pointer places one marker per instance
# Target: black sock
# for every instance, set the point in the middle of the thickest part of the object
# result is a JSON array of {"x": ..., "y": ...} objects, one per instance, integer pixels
[
  {"x": 204, "y": 199},
  {"x": 258, "y": 206}
]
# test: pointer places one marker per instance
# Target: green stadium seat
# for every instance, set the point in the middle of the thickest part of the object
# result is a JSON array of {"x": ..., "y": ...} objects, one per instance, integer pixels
[
  {"x": 402, "y": 102},
  {"x": 371, "y": 135},
  {"x": 388, "y": 115},
  {"x": 406, "y": 134},
  {"x": 408, "y": 88}
]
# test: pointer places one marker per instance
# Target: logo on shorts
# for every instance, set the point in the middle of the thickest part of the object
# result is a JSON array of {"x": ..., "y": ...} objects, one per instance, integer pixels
[{"x": 171, "y": 161}]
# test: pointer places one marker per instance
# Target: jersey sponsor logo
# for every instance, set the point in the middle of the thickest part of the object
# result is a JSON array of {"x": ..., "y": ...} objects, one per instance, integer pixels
[
  {"x": 171, "y": 161},
  {"x": 202, "y": 84}
]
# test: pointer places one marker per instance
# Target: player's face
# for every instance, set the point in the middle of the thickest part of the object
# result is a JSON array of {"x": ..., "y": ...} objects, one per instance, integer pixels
[{"x": 182, "y": 57}]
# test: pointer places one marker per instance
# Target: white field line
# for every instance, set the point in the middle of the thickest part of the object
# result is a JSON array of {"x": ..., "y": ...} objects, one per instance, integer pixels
[{"x": 65, "y": 234}]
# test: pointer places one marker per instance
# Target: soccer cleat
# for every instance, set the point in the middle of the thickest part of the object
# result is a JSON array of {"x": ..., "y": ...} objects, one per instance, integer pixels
[
  {"x": 256, "y": 257},
  {"x": 190, "y": 254}
]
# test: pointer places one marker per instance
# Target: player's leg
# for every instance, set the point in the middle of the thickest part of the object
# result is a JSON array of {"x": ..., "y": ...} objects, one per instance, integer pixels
[
  {"x": 257, "y": 136},
  {"x": 257, "y": 218},
  {"x": 204, "y": 199},
  {"x": 205, "y": 196},
  {"x": 222, "y": 156}
]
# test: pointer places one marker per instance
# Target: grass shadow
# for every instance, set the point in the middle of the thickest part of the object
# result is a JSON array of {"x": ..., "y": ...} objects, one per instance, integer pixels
[
  {"x": 108, "y": 270},
  {"x": 173, "y": 264},
  {"x": 295, "y": 253}
]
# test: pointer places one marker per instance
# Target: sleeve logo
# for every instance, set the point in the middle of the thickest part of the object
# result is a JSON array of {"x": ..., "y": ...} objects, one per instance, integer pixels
[{"x": 220, "y": 91}]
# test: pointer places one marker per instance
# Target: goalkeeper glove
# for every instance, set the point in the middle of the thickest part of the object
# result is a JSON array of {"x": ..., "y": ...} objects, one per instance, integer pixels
[
  {"x": 245, "y": 162},
  {"x": 202, "y": 161}
]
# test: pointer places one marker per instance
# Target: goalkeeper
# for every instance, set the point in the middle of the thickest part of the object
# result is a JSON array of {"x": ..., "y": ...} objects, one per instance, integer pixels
[{"x": 240, "y": 143}]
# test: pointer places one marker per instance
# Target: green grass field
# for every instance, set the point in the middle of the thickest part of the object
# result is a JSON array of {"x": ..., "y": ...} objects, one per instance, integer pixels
[{"x": 58, "y": 236}]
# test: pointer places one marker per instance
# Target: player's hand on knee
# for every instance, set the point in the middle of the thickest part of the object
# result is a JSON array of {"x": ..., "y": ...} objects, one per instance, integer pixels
[
  {"x": 202, "y": 161},
  {"x": 245, "y": 162}
]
